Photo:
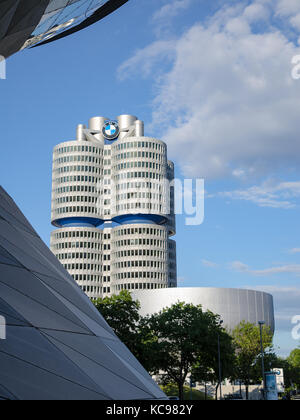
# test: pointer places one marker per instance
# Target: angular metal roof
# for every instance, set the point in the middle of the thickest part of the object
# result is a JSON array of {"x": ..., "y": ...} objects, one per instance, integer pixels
[
  {"x": 27, "y": 23},
  {"x": 57, "y": 346}
]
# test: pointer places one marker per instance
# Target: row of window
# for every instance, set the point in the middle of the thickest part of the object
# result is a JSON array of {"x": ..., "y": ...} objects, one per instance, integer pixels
[
  {"x": 77, "y": 148},
  {"x": 163, "y": 277},
  {"x": 142, "y": 264},
  {"x": 89, "y": 267},
  {"x": 137, "y": 206},
  {"x": 139, "y": 242},
  {"x": 139, "y": 286},
  {"x": 78, "y": 158},
  {"x": 138, "y": 155},
  {"x": 77, "y": 168},
  {"x": 136, "y": 175},
  {"x": 137, "y": 185},
  {"x": 76, "y": 178},
  {"x": 140, "y": 253},
  {"x": 76, "y": 188},
  {"x": 139, "y": 164},
  {"x": 75, "y": 199},
  {"x": 141, "y": 231},
  {"x": 140, "y": 144},
  {"x": 77, "y": 209},
  {"x": 78, "y": 256},
  {"x": 70, "y": 245},
  {"x": 87, "y": 277},
  {"x": 139, "y": 195},
  {"x": 77, "y": 234}
]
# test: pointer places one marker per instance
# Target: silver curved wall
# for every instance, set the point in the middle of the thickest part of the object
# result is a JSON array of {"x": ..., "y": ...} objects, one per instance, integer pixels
[{"x": 233, "y": 305}]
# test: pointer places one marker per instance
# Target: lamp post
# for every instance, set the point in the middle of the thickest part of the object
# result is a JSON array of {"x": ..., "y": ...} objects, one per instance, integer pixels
[
  {"x": 261, "y": 324},
  {"x": 220, "y": 363}
]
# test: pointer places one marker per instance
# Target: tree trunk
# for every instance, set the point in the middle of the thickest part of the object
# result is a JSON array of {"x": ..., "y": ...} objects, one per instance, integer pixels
[
  {"x": 247, "y": 392},
  {"x": 205, "y": 387},
  {"x": 181, "y": 391}
]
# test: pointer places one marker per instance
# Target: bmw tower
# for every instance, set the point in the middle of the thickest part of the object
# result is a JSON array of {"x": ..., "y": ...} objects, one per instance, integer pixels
[{"x": 113, "y": 207}]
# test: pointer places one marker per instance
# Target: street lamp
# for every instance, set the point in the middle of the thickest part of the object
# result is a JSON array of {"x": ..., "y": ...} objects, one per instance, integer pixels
[
  {"x": 220, "y": 364},
  {"x": 261, "y": 324}
]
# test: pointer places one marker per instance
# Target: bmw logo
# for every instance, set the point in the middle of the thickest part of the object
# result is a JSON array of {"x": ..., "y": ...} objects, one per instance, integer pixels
[{"x": 111, "y": 130}]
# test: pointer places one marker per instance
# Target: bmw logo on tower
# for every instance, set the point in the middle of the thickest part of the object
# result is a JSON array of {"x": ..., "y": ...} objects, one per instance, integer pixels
[{"x": 111, "y": 130}]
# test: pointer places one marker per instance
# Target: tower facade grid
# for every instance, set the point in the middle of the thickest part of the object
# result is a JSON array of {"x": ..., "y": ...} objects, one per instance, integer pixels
[{"x": 113, "y": 206}]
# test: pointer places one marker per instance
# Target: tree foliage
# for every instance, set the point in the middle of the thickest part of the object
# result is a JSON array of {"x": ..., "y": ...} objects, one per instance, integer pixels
[
  {"x": 183, "y": 340},
  {"x": 179, "y": 338},
  {"x": 247, "y": 342},
  {"x": 121, "y": 312},
  {"x": 294, "y": 358}
]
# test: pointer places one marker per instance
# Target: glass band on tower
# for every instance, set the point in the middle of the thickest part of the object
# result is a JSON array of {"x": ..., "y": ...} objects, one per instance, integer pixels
[{"x": 113, "y": 205}]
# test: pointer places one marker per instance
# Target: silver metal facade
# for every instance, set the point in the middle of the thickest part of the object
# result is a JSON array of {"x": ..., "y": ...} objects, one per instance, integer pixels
[
  {"x": 113, "y": 205},
  {"x": 26, "y": 23},
  {"x": 56, "y": 345},
  {"x": 233, "y": 305}
]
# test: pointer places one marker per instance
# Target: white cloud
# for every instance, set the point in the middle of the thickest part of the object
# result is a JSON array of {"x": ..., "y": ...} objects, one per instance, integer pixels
[
  {"x": 295, "y": 251},
  {"x": 256, "y": 12},
  {"x": 286, "y": 8},
  {"x": 228, "y": 105},
  {"x": 287, "y": 269},
  {"x": 171, "y": 9},
  {"x": 287, "y": 305},
  {"x": 145, "y": 59},
  {"x": 209, "y": 264},
  {"x": 282, "y": 195}
]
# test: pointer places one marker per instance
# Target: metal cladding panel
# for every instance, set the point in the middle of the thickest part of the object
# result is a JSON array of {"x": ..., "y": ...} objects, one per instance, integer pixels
[
  {"x": 57, "y": 346},
  {"x": 233, "y": 305},
  {"x": 27, "y": 23}
]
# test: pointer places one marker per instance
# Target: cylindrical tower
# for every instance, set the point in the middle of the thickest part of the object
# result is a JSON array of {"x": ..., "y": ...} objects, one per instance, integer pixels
[
  {"x": 139, "y": 174},
  {"x": 77, "y": 172},
  {"x": 80, "y": 250},
  {"x": 113, "y": 205},
  {"x": 140, "y": 257}
]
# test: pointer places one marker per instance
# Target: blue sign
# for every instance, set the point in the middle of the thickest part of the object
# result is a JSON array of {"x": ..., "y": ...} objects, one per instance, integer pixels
[{"x": 111, "y": 130}]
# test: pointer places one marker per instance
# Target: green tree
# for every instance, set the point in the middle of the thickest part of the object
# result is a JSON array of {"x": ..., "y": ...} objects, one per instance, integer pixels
[
  {"x": 121, "y": 312},
  {"x": 246, "y": 338},
  {"x": 291, "y": 373},
  {"x": 206, "y": 370},
  {"x": 178, "y": 338},
  {"x": 294, "y": 358},
  {"x": 293, "y": 370}
]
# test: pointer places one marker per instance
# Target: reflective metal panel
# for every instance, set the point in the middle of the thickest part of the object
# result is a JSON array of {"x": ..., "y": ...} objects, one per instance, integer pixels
[
  {"x": 233, "y": 305},
  {"x": 26, "y": 23}
]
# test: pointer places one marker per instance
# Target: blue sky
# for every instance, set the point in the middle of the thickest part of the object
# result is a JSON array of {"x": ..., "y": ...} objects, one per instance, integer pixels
[{"x": 213, "y": 79}]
